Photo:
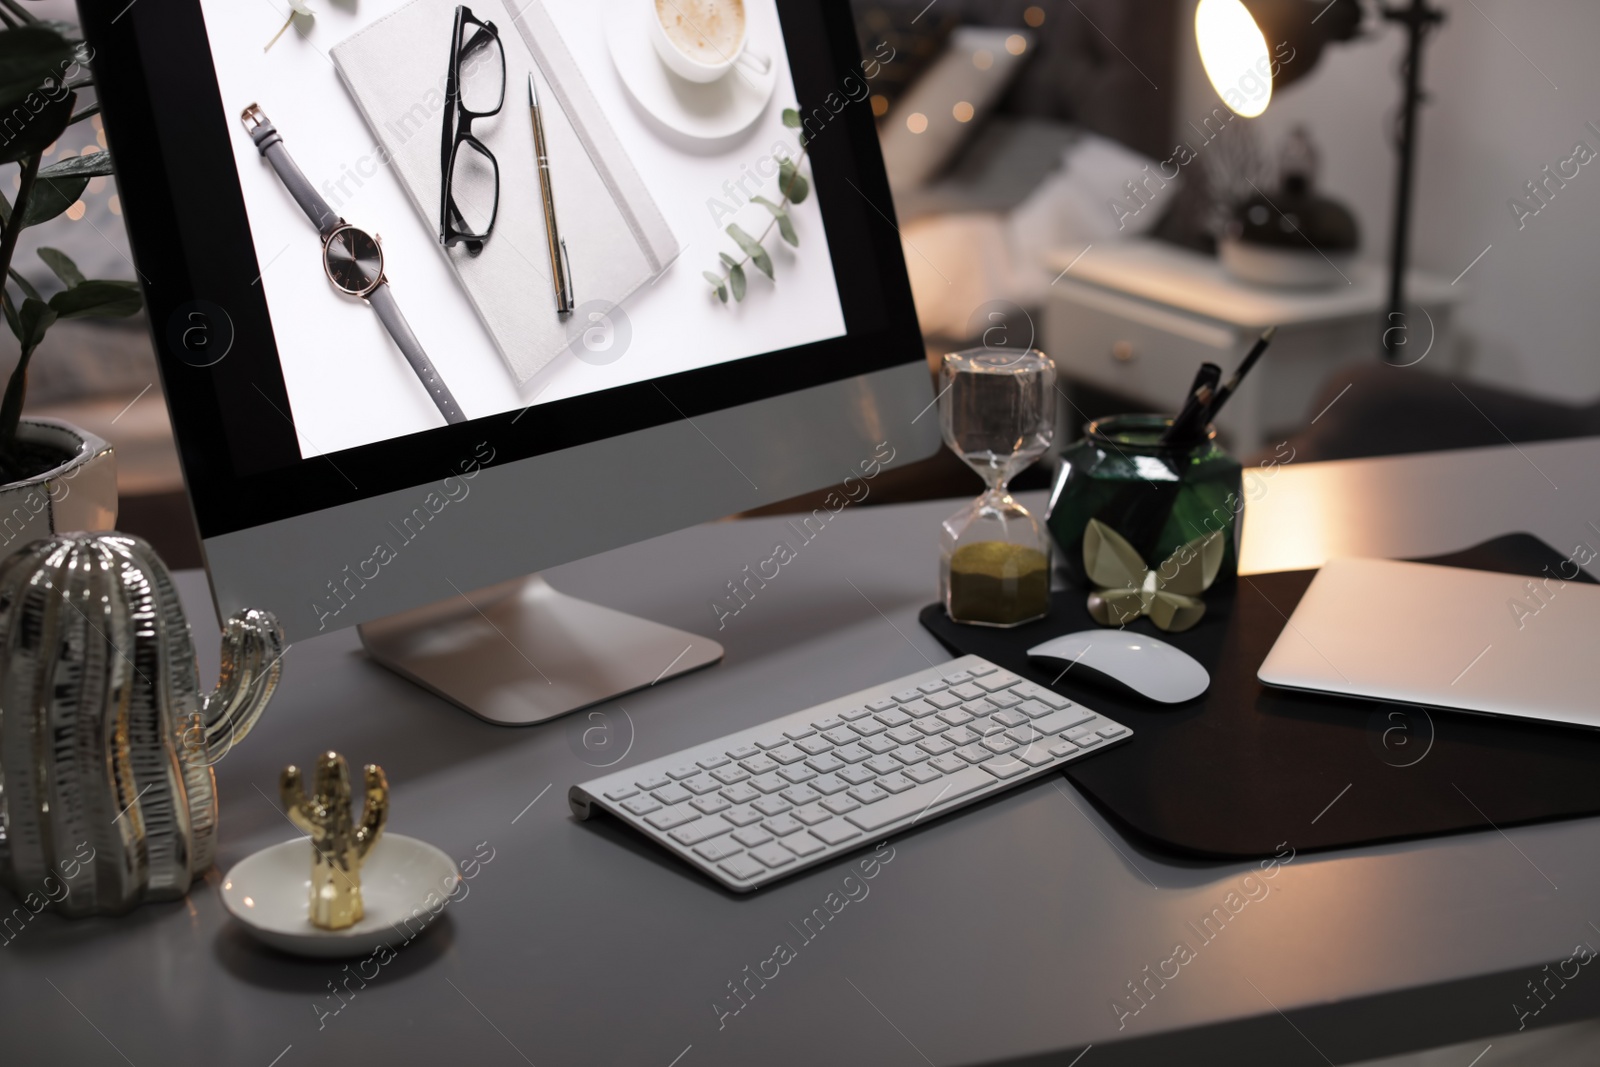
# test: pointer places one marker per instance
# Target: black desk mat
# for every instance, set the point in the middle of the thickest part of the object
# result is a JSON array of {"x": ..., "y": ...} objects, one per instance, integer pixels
[{"x": 1220, "y": 777}]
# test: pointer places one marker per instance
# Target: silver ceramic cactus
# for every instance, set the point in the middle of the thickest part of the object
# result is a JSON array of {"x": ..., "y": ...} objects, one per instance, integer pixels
[{"x": 106, "y": 741}]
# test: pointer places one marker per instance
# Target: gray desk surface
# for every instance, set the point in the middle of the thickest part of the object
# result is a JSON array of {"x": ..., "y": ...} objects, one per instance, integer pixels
[{"x": 1000, "y": 934}]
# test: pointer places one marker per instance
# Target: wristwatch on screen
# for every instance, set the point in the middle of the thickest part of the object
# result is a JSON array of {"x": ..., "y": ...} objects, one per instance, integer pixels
[{"x": 352, "y": 258}]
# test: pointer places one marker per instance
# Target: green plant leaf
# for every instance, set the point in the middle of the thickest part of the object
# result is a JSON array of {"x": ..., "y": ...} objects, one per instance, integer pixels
[
  {"x": 728, "y": 262},
  {"x": 736, "y": 281},
  {"x": 24, "y": 284},
  {"x": 31, "y": 323},
  {"x": 791, "y": 182},
  {"x": 716, "y": 284},
  {"x": 29, "y": 130},
  {"x": 93, "y": 165},
  {"x": 61, "y": 266},
  {"x": 28, "y": 56},
  {"x": 50, "y": 197},
  {"x": 752, "y": 248},
  {"x": 785, "y": 224},
  {"x": 791, "y": 118},
  {"x": 96, "y": 299}
]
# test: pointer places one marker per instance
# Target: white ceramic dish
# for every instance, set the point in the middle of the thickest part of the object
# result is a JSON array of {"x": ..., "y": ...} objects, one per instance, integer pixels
[
  {"x": 702, "y": 112},
  {"x": 403, "y": 879},
  {"x": 705, "y": 70}
]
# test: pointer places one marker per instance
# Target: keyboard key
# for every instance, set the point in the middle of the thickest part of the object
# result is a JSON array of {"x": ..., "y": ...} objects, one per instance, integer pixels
[
  {"x": 802, "y": 845},
  {"x": 935, "y": 746},
  {"x": 701, "y": 785},
  {"x": 1023, "y": 735},
  {"x": 957, "y": 678},
  {"x": 882, "y": 764},
  {"x": 1036, "y": 757},
  {"x": 932, "y": 687},
  {"x": 918, "y": 708},
  {"x": 852, "y": 714},
  {"x": 800, "y": 794},
  {"x": 893, "y": 717},
  {"x": 974, "y": 753},
  {"x": 622, "y": 792},
  {"x": 740, "y": 794},
  {"x": 787, "y": 754},
  {"x": 895, "y": 783},
  {"x": 709, "y": 805},
  {"x": 779, "y": 825},
  {"x": 962, "y": 736},
  {"x": 1011, "y": 718},
  {"x": 956, "y": 716},
  {"x": 1087, "y": 740},
  {"x": 1004, "y": 700},
  {"x": 913, "y": 802},
  {"x": 1029, "y": 691},
  {"x": 881, "y": 704},
  {"x": 904, "y": 735},
  {"x": 655, "y": 781},
  {"x": 835, "y": 833},
  {"x": 922, "y": 774},
  {"x": 858, "y": 775},
  {"x": 1112, "y": 731},
  {"x": 743, "y": 752},
  {"x": 797, "y": 774},
  {"x": 811, "y": 814},
  {"x": 999, "y": 744},
  {"x": 879, "y": 745},
  {"x": 979, "y": 708},
  {"x": 795, "y": 733},
  {"x": 1034, "y": 709},
  {"x": 730, "y": 774},
  {"x": 775, "y": 741},
  {"x": 906, "y": 696},
  {"x": 667, "y": 818},
  {"x": 1009, "y": 767},
  {"x": 942, "y": 701},
  {"x": 742, "y": 867},
  {"x": 751, "y": 836},
  {"x": 949, "y": 764},
  {"x": 852, "y": 753},
  {"x": 867, "y": 727},
  {"x": 987, "y": 727},
  {"x": 640, "y": 805},
  {"x": 1077, "y": 732},
  {"x": 828, "y": 784},
  {"x": 930, "y": 726},
  {"x": 688, "y": 770},
  {"x": 867, "y": 794},
  {"x": 769, "y": 783},
  {"x": 841, "y": 735},
  {"x": 993, "y": 683},
  {"x": 840, "y": 804},
  {"x": 832, "y": 722},
  {"x": 814, "y": 746},
  {"x": 711, "y": 763},
  {"x": 771, "y": 805},
  {"x": 742, "y": 815},
  {"x": 982, "y": 669},
  {"x": 759, "y": 764},
  {"x": 966, "y": 692},
  {"x": 1065, "y": 748},
  {"x": 825, "y": 764},
  {"x": 909, "y": 754},
  {"x": 719, "y": 848},
  {"x": 696, "y": 832}
]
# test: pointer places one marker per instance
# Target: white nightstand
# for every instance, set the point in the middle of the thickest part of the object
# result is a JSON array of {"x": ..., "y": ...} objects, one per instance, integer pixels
[{"x": 1139, "y": 317}]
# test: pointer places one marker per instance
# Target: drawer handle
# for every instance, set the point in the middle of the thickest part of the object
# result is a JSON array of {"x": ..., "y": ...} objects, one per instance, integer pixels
[{"x": 1122, "y": 352}]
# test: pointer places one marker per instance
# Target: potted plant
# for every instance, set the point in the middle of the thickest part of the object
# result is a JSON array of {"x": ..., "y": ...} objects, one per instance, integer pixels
[{"x": 53, "y": 476}]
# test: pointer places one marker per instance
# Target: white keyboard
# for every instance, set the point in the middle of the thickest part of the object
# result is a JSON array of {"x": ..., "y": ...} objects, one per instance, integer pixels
[{"x": 760, "y": 804}]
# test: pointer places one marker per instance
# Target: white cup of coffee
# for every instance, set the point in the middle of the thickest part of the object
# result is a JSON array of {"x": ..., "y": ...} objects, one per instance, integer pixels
[{"x": 701, "y": 40}]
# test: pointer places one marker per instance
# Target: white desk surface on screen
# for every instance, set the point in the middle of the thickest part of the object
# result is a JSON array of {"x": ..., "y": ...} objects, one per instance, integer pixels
[{"x": 348, "y": 385}]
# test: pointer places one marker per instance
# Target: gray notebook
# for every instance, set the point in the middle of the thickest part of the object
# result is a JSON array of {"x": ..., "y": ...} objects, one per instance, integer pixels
[{"x": 616, "y": 237}]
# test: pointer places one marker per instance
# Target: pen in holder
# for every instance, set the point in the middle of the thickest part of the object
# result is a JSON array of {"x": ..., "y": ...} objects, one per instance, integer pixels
[{"x": 1146, "y": 527}]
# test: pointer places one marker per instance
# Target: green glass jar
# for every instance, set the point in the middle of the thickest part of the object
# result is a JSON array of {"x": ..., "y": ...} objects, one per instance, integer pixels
[{"x": 1157, "y": 497}]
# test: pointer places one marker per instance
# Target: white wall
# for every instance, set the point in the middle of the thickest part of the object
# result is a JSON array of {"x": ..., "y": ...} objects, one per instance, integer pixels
[{"x": 1532, "y": 319}]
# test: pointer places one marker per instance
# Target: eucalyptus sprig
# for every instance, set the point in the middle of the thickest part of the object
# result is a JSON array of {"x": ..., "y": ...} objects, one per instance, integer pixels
[{"x": 793, "y": 189}]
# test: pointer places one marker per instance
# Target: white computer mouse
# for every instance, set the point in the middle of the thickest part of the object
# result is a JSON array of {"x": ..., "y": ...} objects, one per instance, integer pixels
[{"x": 1151, "y": 668}]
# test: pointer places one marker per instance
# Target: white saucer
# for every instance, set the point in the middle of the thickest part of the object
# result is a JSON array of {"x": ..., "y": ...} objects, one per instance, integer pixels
[
  {"x": 403, "y": 879},
  {"x": 713, "y": 112}
]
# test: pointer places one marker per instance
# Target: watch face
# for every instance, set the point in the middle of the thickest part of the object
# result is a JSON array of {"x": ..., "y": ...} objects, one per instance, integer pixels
[{"x": 353, "y": 260}]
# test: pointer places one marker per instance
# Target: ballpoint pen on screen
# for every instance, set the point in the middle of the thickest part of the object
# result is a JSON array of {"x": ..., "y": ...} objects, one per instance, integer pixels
[{"x": 560, "y": 266}]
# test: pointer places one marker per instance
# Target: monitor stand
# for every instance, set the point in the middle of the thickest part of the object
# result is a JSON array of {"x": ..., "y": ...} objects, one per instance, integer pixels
[{"x": 520, "y": 652}]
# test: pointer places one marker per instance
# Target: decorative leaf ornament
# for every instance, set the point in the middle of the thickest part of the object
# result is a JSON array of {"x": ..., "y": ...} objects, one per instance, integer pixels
[{"x": 1124, "y": 588}]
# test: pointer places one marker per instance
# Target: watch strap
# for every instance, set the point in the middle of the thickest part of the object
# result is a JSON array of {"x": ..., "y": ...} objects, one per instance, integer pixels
[
  {"x": 269, "y": 142},
  {"x": 383, "y": 302}
]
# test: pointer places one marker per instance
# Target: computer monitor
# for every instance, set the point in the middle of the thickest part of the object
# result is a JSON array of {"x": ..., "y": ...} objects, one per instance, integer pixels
[{"x": 385, "y": 458}]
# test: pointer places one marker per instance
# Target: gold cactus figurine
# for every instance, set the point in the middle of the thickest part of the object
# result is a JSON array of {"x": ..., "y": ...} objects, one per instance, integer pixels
[{"x": 338, "y": 845}]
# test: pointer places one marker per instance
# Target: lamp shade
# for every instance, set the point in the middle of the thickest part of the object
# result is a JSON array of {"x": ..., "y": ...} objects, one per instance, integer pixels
[{"x": 1252, "y": 48}]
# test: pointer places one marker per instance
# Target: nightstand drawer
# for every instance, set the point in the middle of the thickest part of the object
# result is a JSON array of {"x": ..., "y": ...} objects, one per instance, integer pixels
[{"x": 1131, "y": 347}]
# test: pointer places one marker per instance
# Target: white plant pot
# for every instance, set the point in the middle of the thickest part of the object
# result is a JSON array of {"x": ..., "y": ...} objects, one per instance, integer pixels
[{"x": 79, "y": 494}]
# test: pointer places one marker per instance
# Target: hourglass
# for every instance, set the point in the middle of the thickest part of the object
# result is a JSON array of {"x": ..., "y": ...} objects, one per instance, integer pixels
[{"x": 997, "y": 411}]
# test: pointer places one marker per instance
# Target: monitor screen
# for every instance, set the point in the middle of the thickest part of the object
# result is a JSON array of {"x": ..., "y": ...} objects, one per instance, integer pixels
[{"x": 709, "y": 169}]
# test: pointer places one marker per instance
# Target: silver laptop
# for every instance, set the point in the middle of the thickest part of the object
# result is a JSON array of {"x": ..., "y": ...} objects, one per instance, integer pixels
[{"x": 1444, "y": 636}]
